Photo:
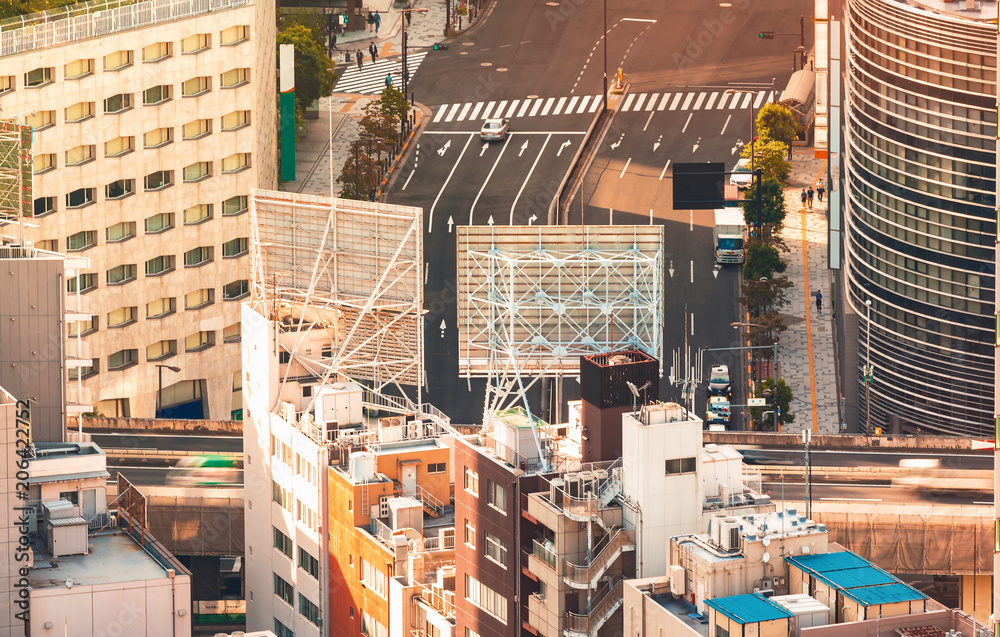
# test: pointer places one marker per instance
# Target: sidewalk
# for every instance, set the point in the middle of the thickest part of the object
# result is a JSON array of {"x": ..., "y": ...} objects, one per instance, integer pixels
[{"x": 806, "y": 355}]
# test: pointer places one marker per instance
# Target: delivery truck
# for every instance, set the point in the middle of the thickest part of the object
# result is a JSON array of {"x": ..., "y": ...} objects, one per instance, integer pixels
[{"x": 730, "y": 235}]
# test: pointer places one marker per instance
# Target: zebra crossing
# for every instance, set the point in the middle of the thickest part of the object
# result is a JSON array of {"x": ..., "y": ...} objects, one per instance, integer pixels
[
  {"x": 370, "y": 80},
  {"x": 577, "y": 104}
]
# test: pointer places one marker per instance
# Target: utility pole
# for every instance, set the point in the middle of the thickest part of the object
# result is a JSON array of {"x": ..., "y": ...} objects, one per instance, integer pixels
[{"x": 806, "y": 439}]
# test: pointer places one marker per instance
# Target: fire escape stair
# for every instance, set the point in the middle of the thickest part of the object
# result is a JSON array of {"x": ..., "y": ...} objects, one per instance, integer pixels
[{"x": 588, "y": 577}]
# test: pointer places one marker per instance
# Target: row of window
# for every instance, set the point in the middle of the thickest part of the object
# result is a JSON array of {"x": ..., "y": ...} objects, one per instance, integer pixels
[
  {"x": 120, "y": 60},
  {"x": 374, "y": 579},
  {"x": 157, "y": 309},
  {"x": 496, "y": 494},
  {"x": 126, "y": 273},
  {"x": 307, "y": 562},
  {"x": 123, "y": 145},
  {"x": 286, "y": 592},
  {"x": 486, "y": 598}
]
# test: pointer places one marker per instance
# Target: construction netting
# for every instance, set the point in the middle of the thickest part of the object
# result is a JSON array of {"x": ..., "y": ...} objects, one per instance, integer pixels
[{"x": 197, "y": 525}]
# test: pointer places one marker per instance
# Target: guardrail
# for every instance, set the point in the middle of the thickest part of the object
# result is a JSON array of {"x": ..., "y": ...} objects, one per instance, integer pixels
[
  {"x": 544, "y": 553},
  {"x": 584, "y": 575},
  {"x": 590, "y": 623}
]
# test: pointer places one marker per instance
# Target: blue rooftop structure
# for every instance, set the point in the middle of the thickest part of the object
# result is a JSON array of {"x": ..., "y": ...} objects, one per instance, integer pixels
[
  {"x": 886, "y": 594},
  {"x": 856, "y": 577},
  {"x": 824, "y": 562},
  {"x": 748, "y": 609}
]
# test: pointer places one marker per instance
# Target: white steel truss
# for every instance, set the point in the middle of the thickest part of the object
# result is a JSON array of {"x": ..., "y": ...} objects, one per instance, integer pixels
[
  {"x": 352, "y": 270},
  {"x": 533, "y": 299},
  {"x": 15, "y": 175}
]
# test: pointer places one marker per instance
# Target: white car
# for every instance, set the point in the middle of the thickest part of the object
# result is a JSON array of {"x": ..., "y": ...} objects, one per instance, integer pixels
[
  {"x": 494, "y": 129},
  {"x": 742, "y": 178}
]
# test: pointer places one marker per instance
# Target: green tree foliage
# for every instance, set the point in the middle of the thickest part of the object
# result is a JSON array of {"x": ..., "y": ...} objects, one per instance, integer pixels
[
  {"x": 393, "y": 103},
  {"x": 772, "y": 210},
  {"x": 314, "y": 75},
  {"x": 784, "y": 401},
  {"x": 777, "y": 123},
  {"x": 13, "y": 8},
  {"x": 362, "y": 168},
  {"x": 769, "y": 156},
  {"x": 762, "y": 261}
]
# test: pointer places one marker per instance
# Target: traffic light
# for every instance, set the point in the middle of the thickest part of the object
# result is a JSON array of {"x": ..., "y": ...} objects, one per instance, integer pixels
[
  {"x": 766, "y": 35},
  {"x": 345, "y": 19},
  {"x": 440, "y": 46}
]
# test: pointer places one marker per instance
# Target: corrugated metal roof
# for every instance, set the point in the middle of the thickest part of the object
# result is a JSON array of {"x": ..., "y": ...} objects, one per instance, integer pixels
[
  {"x": 856, "y": 577},
  {"x": 887, "y": 594},
  {"x": 825, "y": 562},
  {"x": 748, "y": 609}
]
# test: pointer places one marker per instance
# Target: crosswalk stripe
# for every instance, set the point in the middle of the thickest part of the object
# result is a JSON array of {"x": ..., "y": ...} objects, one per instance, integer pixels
[
  {"x": 440, "y": 113},
  {"x": 663, "y": 102},
  {"x": 475, "y": 110},
  {"x": 559, "y": 105},
  {"x": 538, "y": 104},
  {"x": 711, "y": 100},
  {"x": 465, "y": 111},
  {"x": 513, "y": 107},
  {"x": 697, "y": 102},
  {"x": 548, "y": 105},
  {"x": 652, "y": 101},
  {"x": 583, "y": 104},
  {"x": 748, "y": 97},
  {"x": 677, "y": 99},
  {"x": 500, "y": 107},
  {"x": 733, "y": 101},
  {"x": 760, "y": 98},
  {"x": 370, "y": 79},
  {"x": 628, "y": 101},
  {"x": 489, "y": 109},
  {"x": 524, "y": 108},
  {"x": 451, "y": 113},
  {"x": 572, "y": 102},
  {"x": 639, "y": 101},
  {"x": 595, "y": 104},
  {"x": 687, "y": 101}
]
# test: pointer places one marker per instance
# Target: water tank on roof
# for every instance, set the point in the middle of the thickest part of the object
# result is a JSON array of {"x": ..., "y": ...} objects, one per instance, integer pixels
[{"x": 361, "y": 465}]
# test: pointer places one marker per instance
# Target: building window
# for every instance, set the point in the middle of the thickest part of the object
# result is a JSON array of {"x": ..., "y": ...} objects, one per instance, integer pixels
[
  {"x": 471, "y": 482},
  {"x": 236, "y": 162},
  {"x": 195, "y": 43},
  {"x": 234, "y": 77},
  {"x": 49, "y": 245},
  {"x": 121, "y": 317},
  {"x": 121, "y": 274},
  {"x": 118, "y": 103},
  {"x": 280, "y": 630},
  {"x": 197, "y": 214},
  {"x": 44, "y": 205},
  {"x": 40, "y": 162},
  {"x": 156, "y": 95},
  {"x": 159, "y": 223},
  {"x": 282, "y": 542},
  {"x": 160, "y": 265},
  {"x": 198, "y": 299},
  {"x": 283, "y": 589},
  {"x": 6, "y": 83},
  {"x": 486, "y": 598},
  {"x": 81, "y": 283},
  {"x": 470, "y": 533},
  {"x": 159, "y": 179},
  {"x": 120, "y": 232},
  {"x": 82, "y": 328},
  {"x": 234, "y": 35},
  {"x": 119, "y": 189},
  {"x": 308, "y": 563},
  {"x": 470, "y": 633},
  {"x": 370, "y": 627},
  {"x": 198, "y": 171},
  {"x": 81, "y": 241},
  {"x": 495, "y": 549},
  {"x": 40, "y": 120},
  {"x": 38, "y": 77},
  {"x": 496, "y": 496},
  {"x": 77, "y": 69},
  {"x": 437, "y": 467},
  {"x": 79, "y": 155},
  {"x": 80, "y": 197},
  {"x": 156, "y": 52},
  {"x": 198, "y": 256},
  {"x": 158, "y": 137},
  {"x": 77, "y": 373},
  {"x": 117, "y": 60},
  {"x": 119, "y": 146},
  {"x": 232, "y": 333},
  {"x": 721, "y": 631},
  {"x": 195, "y": 86},
  {"x": 235, "y": 248},
  {"x": 373, "y": 578},
  {"x": 234, "y": 206},
  {"x": 680, "y": 465},
  {"x": 161, "y": 350},
  {"x": 122, "y": 359},
  {"x": 199, "y": 341},
  {"x": 161, "y": 307},
  {"x": 281, "y": 496},
  {"x": 235, "y": 290},
  {"x": 235, "y": 120},
  {"x": 197, "y": 128},
  {"x": 78, "y": 112},
  {"x": 308, "y": 610}
]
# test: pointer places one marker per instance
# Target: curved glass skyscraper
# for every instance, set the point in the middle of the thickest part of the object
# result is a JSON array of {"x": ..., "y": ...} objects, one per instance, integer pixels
[{"x": 920, "y": 141}]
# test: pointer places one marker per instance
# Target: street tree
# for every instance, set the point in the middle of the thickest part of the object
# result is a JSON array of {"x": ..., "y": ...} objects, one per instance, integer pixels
[
  {"x": 769, "y": 155},
  {"x": 777, "y": 123},
  {"x": 762, "y": 261},
  {"x": 393, "y": 103},
  {"x": 314, "y": 76},
  {"x": 772, "y": 211},
  {"x": 360, "y": 169},
  {"x": 783, "y": 401}
]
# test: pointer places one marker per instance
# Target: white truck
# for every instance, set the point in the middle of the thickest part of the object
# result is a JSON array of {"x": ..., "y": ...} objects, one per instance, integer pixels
[{"x": 730, "y": 234}]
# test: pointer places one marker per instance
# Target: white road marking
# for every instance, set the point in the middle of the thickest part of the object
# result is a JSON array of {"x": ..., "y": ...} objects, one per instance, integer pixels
[
  {"x": 583, "y": 104},
  {"x": 596, "y": 104},
  {"x": 677, "y": 99},
  {"x": 538, "y": 105},
  {"x": 559, "y": 105},
  {"x": 760, "y": 98},
  {"x": 664, "y": 171},
  {"x": 650, "y": 216},
  {"x": 524, "y": 108},
  {"x": 407, "y": 182},
  {"x": 475, "y": 110},
  {"x": 465, "y": 111},
  {"x": 500, "y": 108},
  {"x": 747, "y": 98},
  {"x": 697, "y": 102},
  {"x": 487, "y": 180},
  {"x": 638, "y": 20},
  {"x": 640, "y": 101},
  {"x": 648, "y": 120},
  {"x": 690, "y": 115},
  {"x": 427, "y": 271},
  {"x": 440, "y": 113},
  {"x": 572, "y": 103},
  {"x": 489, "y": 109},
  {"x": 548, "y": 106},
  {"x": 856, "y": 499},
  {"x": 628, "y": 101},
  {"x": 625, "y": 168},
  {"x": 691, "y": 222},
  {"x": 525, "y": 183},
  {"x": 711, "y": 100},
  {"x": 663, "y": 102},
  {"x": 430, "y": 219},
  {"x": 692, "y": 313},
  {"x": 451, "y": 113},
  {"x": 651, "y": 103},
  {"x": 611, "y": 216},
  {"x": 692, "y": 281},
  {"x": 513, "y": 107},
  {"x": 687, "y": 101},
  {"x": 724, "y": 126}
]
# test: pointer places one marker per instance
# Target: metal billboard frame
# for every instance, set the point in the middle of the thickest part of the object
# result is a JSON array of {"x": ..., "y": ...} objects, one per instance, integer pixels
[
  {"x": 533, "y": 299},
  {"x": 351, "y": 268}
]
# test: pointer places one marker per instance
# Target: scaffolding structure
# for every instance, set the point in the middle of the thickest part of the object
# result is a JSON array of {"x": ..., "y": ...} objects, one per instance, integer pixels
[
  {"x": 15, "y": 175},
  {"x": 351, "y": 269},
  {"x": 534, "y": 299}
]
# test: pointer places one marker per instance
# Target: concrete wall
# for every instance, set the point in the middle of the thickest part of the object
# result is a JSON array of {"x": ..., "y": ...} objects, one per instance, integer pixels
[
  {"x": 643, "y": 616},
  {"x": 852, "y": 442},
  {"x": 158, "y": 425}
]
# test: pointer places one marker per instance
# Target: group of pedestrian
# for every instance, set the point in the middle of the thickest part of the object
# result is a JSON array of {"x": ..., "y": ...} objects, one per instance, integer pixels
[
  {"x": 808, "y": 194},
  {"x": 374, "y": 21}
]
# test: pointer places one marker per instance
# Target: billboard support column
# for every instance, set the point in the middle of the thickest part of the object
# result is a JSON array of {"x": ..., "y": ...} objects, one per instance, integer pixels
[{"x": 286, "y": 56}]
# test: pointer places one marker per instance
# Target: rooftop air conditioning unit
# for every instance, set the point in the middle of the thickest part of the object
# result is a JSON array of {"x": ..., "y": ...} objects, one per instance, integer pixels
[
  {"x": 413, "y": 429},
  {"x": 556, "y": 487},
  {"x": 677, "y": 580},
  {"x": 729, "y": 534},
  {"x": 573, "y": 485},
  {"x": 586, "y": 482}
]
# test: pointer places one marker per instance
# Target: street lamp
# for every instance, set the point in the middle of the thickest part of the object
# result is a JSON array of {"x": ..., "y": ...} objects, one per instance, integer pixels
[
  {"x": 406, "y": 72},
  {"x": 774, "y": 353},
  {"x": 159, "y": 389}
]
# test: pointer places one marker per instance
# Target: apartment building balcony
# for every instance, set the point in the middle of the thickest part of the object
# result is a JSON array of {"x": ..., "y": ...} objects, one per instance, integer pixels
[
  {"x": 78, "y": 352},
  {"x": 543, "y": 564},
  {"x": 78, "y": 399},
  {"x": 587, "y": 576},
  {"x": 587, "y": 625}
]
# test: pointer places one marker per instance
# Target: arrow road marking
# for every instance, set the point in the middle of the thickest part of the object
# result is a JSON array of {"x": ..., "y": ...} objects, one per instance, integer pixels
[
  {"x": 561, "y": 146},
  {"x": 489, "y": 221},
  {"x": 532, "y": 219},
  {"x": 524, "y": 147},
  {"x": 488, "y": 177},
  {"x": 485, "y": 146},
  {"x": 715, "y": 271},
  {"x": 671, "y": 269},
  {"x": 695, "y": 147},
  {"x": 656, "y": 144},
  {"x": 736, "y": 147},
  {"x": 692, "y": 323},
  {"x": 619, "y": 142},
  {"x": 427, "y": 272},
  {"x": 430, "y": 217},
  {"x": 443, "y": 328},
  {"x": 690, "y": 115},
  {"x": 451, "y": 222},
  {"x": 525, "y": 182},
  {"x": 444, "y": 149}
]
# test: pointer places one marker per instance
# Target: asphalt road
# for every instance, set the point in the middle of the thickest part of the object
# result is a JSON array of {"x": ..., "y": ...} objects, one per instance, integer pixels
[
  {"x": 542, "y": 65},
  {"x": 871, "y": 495},
  {"x": 206, "y": 444}
]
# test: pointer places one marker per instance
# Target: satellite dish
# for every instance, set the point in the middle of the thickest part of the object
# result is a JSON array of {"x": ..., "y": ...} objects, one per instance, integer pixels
[
  {"x": 766, "y": 541},
  {"x": 766, "y": 557}
]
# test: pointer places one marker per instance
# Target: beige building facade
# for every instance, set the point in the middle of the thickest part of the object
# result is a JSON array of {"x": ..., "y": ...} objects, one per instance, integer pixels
[{"x": 151, "y": 122}]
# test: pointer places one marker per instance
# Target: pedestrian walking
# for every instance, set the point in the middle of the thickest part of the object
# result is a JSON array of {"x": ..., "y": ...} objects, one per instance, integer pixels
[
  {"x": 409, "y": 17},
  {"x": 360, "y": 58},
  {"x": 820, "y": 190},
  {"x": 388, "y": 80},
  {"x": 378, "y": 22},
  {"x": 373, "y": 51},
  {"x": 819, "y": 301},
  {"x": 810, "y": 194},
  {"x": 805, "y": 197}
]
